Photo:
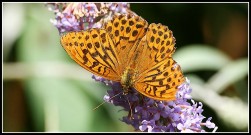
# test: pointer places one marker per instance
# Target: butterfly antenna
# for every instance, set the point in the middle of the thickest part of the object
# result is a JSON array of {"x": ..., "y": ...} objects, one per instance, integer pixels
[
  {"x": 105, "y": 101},
  {"x": 130, "y": 107}
]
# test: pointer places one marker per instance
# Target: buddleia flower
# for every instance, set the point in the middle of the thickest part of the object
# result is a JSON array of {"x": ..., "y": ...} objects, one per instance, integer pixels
[
  {"x": 79, "y": 16},
  {"x": 148, "y": 115}
]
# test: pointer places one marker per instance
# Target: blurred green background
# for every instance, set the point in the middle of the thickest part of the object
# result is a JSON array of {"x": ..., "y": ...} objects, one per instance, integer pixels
[{"x": 45, "y": 91}]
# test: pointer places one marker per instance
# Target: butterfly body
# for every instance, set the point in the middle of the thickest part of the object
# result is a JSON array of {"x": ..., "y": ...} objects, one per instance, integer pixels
[
  {"x": 127, "y": 79},
  {"x": 128, "y": 50}
]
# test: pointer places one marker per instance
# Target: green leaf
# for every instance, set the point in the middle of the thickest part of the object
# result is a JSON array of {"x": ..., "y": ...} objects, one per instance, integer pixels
[
  {"x": 58, "y": 107},
  {"x": 229, "y": 74},
  {"x": 200, "y": 57}
]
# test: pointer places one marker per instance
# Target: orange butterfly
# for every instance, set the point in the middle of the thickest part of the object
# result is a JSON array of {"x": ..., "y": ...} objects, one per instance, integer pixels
[{"x": 128, "y": 51}]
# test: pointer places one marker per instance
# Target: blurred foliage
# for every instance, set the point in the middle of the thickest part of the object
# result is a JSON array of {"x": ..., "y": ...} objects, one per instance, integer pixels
[{"x": 41, "y": 92}]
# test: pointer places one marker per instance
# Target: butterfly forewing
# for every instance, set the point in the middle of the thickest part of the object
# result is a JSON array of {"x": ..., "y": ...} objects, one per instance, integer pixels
[
  {"x": 94, "y": 51},
  {"x": 160, "y": 79},
  {"x": 126, "y": 31}
]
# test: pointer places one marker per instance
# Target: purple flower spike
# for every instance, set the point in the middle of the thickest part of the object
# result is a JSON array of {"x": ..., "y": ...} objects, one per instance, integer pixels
[
  {"x": 77, "y": 16},
  {"x": 161, "y": 116}
]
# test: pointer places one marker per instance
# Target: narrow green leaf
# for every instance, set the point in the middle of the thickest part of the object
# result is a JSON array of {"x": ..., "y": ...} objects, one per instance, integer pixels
[
  {"x": 200, "y": 57},
  {"x": 229, "y": 74}
]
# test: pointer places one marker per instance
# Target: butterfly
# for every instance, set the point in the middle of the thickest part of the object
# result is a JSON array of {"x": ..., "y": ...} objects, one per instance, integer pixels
[{"x": 128, "y": 50}]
